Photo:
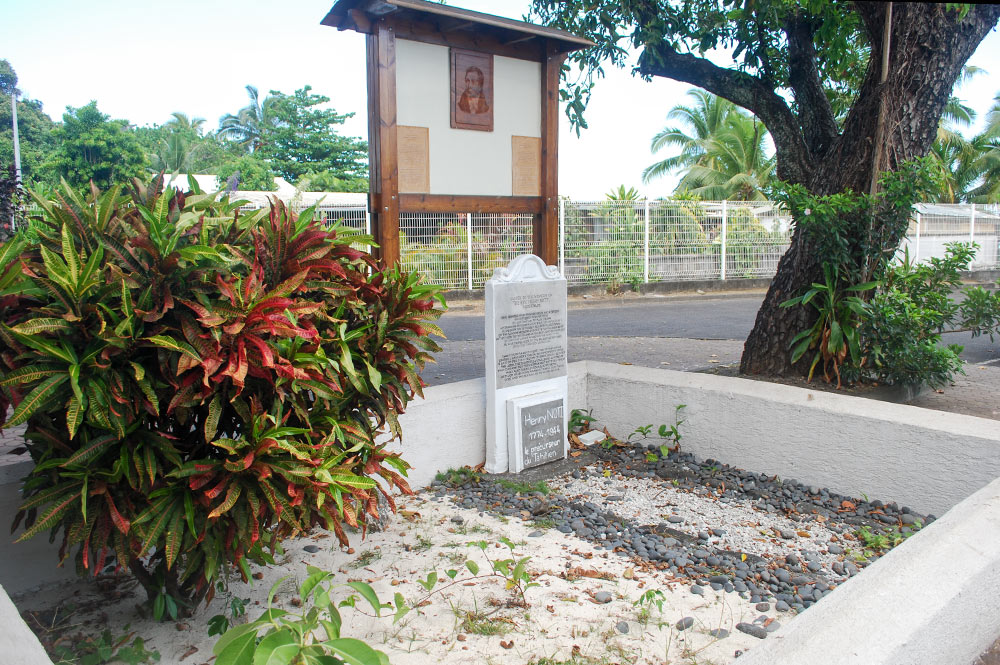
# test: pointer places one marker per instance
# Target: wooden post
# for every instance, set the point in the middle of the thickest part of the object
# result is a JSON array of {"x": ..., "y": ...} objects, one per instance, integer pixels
[
  {"x": 383, "y": 199},
  {"x": 545, "y": 231}
]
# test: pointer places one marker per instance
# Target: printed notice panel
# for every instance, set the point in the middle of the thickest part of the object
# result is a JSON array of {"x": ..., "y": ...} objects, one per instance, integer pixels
[
  {"x": 542, "y": 435},
  {"x": 530, "y": 332},
  {"x": 413, "y": 159}
]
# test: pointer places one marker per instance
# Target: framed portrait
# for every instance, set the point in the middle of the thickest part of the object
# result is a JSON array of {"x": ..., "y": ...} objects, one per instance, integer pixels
[{"x": 471, "y": 90}]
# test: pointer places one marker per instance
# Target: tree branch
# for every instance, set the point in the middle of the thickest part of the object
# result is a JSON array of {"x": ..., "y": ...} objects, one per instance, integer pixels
[
  {"x": 819, "y": 125},
  {"x": 794, "y": 159}
]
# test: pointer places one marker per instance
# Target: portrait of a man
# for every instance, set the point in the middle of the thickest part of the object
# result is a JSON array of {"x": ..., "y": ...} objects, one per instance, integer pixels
[
  {"x": 471, "y": 90},
  {"x": 473, "y": 100}
]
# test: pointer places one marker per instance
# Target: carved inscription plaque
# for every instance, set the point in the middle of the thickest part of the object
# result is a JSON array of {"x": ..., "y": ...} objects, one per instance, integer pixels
[{"x": 530, "y": 333}]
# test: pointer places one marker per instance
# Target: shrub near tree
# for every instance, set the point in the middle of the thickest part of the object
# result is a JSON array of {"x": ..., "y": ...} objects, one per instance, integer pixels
[{"x": 199, "y": 384}]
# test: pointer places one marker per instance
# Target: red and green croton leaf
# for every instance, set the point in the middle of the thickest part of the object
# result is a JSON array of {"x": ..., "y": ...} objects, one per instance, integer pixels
[{"x": 199, "y": 382}]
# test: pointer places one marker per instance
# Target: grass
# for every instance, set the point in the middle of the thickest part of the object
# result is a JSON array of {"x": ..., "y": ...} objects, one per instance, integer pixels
[
  {"x": 365, "y": 558},
  {"x": 875, "y": 543},
  {"x": 544, "y": 523},
  {"x": 479, "y": 623},
  {"x": 523, "y": 488},
  {"x": 464, "y": 530},
  {"x": 458, "y": 476}
]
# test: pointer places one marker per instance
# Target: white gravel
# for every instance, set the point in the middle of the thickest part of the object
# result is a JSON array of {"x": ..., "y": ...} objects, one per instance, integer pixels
[{"x": 747, "y": 529}]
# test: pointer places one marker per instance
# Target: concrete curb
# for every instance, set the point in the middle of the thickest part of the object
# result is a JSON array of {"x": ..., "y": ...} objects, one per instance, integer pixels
[
  {"x": 931, "y": 600},
  {"x": 17, "y": 643}
]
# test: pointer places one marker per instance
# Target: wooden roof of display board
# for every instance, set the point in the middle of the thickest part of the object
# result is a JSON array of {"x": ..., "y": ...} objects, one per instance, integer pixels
[{"x": 529, "y": 38}]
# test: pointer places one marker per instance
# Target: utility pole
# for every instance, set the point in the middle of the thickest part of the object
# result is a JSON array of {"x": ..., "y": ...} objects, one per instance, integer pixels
[{"x": 17, "y": 151}]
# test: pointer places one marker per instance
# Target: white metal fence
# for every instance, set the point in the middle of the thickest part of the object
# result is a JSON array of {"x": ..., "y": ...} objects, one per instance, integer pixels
[
  {"x": 636, "y": 242},
  {"x": 935, "y": 225},
  {"x": 662, "y": 241}
]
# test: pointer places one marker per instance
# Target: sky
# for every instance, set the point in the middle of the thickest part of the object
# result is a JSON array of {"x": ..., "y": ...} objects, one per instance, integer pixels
[{"x": 142, "y": 61}]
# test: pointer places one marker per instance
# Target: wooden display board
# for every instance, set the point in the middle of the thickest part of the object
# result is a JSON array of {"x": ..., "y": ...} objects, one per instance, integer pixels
[{"x": 404, "y": 158}]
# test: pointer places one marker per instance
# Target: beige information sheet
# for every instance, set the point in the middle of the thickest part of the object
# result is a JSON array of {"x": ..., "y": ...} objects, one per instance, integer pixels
[
  {"x": 526, "y": 162},
  {"x": 413, "y": 148}
]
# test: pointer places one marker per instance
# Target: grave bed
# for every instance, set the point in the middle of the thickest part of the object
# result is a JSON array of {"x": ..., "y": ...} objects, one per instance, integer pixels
[{"x": 923, "y": 602}]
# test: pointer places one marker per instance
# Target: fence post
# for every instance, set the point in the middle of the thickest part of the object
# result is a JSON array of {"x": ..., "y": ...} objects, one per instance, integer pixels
[
  {"x": 645, "y": 244},
  {"x": 368, "y": 222},
  {"x": 468, "y": 237},
  {"x": 916, "y": 250},
  {"x": 725, "y": 229},
  {"x": 972, "y": 222},
  {"x": 562, "y": 238}
]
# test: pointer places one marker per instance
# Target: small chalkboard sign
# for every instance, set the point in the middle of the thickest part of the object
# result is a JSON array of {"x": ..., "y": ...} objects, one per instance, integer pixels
[
  {"x": 537, "y": 425},
  {"x": 542, "y": 435}
]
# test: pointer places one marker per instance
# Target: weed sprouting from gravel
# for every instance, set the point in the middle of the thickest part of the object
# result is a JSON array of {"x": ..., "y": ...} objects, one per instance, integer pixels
[{"x": 365, "y": 558}]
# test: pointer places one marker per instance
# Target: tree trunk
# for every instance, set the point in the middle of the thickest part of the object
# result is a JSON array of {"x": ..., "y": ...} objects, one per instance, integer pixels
[{"x": 928, "y": 49}]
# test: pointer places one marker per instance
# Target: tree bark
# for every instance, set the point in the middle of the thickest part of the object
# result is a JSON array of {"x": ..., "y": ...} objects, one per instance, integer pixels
[
  {"x": 889, "y": 123},
  {"x": 929, "y": 47}
]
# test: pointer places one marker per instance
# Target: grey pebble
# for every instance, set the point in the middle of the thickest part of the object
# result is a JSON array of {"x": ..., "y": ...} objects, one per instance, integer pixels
[
  {"x": 535, "y": 534},
  {"x": 458, "y": 520},
  {"x": 719, "y": 633},
  {"x": 622, "y": 627},
  {"x": 697, "y": 590},
  {"x": 675, "y": 519},
  {"x": 781, "y": 606},
  {"x": 762, "y": 607},
  {"x": 312, "y": 549},
  {"x": 773, "y": 626},
  {"x": 602, "y": 597},
  {"x": 684, "y": 623},
  {"x": 752, "y": 630}
]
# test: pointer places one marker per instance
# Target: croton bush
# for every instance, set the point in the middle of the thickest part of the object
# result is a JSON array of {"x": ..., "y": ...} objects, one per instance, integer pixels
[{"x": 199, "y": 382}]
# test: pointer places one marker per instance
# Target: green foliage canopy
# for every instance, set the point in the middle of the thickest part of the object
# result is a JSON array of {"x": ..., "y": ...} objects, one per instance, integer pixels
[
  {"x": 92, "y": 147},
  {"x": 250, "y": 172},
  {"x": 303, "y": 138},
  {"x": 297, "y": 136}
]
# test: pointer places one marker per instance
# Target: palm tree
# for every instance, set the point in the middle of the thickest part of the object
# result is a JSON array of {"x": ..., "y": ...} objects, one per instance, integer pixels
[
  {"x": 706, "y": 117},
  {"x": 246, "y": 126},
  {"x": 180, "y": 122},
  {"x": 724, "y": 156},
  {"x": 988, "y": 142},
  {"x": 173, "y": 154},
  {"x": 736, "y": 165}
]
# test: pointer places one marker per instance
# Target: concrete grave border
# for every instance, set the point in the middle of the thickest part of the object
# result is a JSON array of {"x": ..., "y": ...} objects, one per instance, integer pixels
[{"x": 929, "y": 460}]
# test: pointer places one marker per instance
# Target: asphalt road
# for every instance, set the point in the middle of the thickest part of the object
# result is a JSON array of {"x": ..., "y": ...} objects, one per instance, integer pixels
[{"x": 704, "y": 317}]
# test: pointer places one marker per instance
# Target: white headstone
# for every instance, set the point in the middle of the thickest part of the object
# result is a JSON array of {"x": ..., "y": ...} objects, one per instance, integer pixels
[{"x": 526, "y": 385}]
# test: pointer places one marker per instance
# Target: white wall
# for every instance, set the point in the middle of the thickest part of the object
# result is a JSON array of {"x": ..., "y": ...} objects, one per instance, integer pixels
[
  {"x": 927, "y": 460},
  {"x": 466, "y": 161}
]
